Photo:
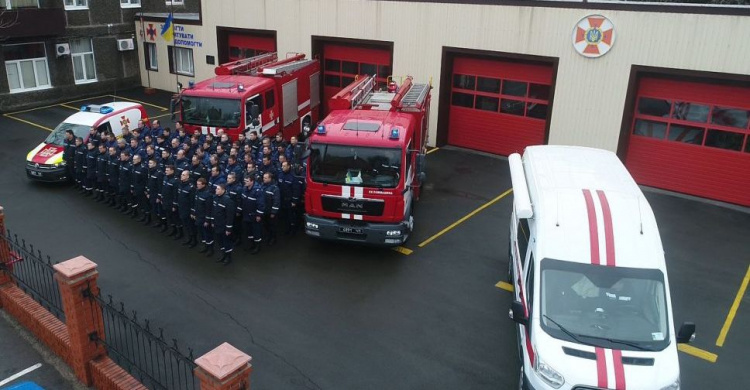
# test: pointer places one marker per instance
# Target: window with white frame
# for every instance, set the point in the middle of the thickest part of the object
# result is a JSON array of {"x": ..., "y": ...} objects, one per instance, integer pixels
[
  {"x": 26, "y": 67},
  {"x": 130, "y": 3},
  {"x": 13, "y": 4},
  {"x": 183, "y": 61},
  {"x": 84, "y": 66},
  {"x": 76, "y": 4},
  {"x": 151, "y": 61}
]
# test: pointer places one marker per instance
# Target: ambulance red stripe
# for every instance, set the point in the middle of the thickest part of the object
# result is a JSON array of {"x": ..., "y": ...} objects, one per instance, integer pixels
[
  {"x": 593, "y": 227},
  {"x": 609, "y": 236},
  {"x": 619, "y": 369},
  {"x": 601, "y": 368}
]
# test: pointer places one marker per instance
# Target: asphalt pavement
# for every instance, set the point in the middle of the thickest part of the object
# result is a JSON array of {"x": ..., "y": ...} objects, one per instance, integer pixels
[{"x": 320, "y": 315}]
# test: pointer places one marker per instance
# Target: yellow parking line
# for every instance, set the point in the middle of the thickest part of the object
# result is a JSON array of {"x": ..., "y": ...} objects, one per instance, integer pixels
[
  {"x": 697, "y": 352},
  {"x": 67, "y": 106},
  {"x": 55, "y": 105},
  {"x": 403, "y": 250},
  {"x": 462, "y": 220},
  {"x": 142, "y": 102},
  {"x": 432, "y": 150},
  {"x": 505, "y": 286},
  {"x": 27, "y": 122},
  {"x": 733, "y": 310}
]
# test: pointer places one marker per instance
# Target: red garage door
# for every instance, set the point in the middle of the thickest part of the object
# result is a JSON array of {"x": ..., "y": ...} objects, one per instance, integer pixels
[
  {"x": 498, "y": 107},
  {"x": 342, "y": 63},
  {"x": 249, "y": 45},
  {"x": 692, "y": 138}
]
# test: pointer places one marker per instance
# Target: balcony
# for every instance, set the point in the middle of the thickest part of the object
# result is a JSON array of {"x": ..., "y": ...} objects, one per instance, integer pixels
[{"x": 17, "y": 21}]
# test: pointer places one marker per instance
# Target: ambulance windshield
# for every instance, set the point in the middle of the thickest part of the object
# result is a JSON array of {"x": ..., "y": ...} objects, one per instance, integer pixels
[
  {"x": 214, "y": 112},
  {"x": 57, "y": 137},
  {"x": 610, "y": 307},
  {"x": 355, "y": 165}
]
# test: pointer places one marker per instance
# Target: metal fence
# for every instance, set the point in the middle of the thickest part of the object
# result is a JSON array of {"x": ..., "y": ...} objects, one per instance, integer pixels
[
  {"x": 142, "y": 351},
  {"x": 33, "y": 273}
]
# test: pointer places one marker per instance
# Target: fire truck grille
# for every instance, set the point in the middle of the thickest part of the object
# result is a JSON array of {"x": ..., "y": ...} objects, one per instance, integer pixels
[{"x": 337, "y": 204}]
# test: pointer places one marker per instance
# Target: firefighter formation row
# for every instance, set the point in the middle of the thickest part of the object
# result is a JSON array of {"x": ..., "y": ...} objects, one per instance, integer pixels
[{"x": 203, "y": 187}]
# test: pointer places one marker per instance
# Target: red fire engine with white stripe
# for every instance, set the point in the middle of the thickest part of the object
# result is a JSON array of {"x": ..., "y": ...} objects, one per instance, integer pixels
[
  {"x": 366, "y": 164},
  {"x": 591, "y": 292},
  {"x": 261, "y": 93}
]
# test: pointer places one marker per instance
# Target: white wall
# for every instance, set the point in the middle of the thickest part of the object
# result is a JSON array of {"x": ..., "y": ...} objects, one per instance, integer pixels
[{"x": 589, "y": 93}]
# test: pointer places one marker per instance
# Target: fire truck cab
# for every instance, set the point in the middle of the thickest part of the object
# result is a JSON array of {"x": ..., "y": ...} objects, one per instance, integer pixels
[
  {"x": 366, "y": 164},
  {"x": 261, "y": 94}
]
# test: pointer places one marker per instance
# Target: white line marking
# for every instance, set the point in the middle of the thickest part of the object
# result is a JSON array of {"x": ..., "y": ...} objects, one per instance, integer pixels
[{"x": 20, "y": 374}]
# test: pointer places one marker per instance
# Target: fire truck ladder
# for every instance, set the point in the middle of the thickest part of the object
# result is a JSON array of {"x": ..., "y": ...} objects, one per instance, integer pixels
[
  {"x": 287, "y": 67},
  {"x": 246, "y": 66},
  {"x": 361, "y": 91},
  {"x": 415, "y": 97}
]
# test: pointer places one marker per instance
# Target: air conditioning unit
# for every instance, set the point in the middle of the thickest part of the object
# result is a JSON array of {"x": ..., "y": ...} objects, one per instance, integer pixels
[
  {"x": 125, "y": 44},
  {"x": 62, "y": 49}
]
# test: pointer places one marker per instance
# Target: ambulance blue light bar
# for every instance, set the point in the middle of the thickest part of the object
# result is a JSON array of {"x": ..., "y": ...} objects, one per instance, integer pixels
[{"x": 97, "y": 108}]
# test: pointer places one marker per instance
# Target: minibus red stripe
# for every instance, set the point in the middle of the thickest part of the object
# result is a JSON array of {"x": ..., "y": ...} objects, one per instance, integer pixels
[
  {"x": 609, "y": 236},
  {"x": 619, "y": 369},
  {"x": 593, "y": 228},
  {"x": 601, "y": 368}
]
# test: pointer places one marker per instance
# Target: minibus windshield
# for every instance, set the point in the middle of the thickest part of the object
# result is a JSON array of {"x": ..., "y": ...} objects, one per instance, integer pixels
[{"x": 610, "y": 307}]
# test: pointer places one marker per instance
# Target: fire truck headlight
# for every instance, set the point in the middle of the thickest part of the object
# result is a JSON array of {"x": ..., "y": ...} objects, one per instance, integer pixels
[
  {"x": 393, "y": 233},
  {"x": 311, "y": 225},
  {"x": 548, "y": 374}
]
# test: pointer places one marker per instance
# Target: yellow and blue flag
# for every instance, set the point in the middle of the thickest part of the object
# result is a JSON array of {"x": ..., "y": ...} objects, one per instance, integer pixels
[{"x": 167, "y": 31}]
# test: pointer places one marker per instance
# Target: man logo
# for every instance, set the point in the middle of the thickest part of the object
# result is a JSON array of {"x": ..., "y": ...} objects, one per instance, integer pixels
[{"x": 352, "y": 206}]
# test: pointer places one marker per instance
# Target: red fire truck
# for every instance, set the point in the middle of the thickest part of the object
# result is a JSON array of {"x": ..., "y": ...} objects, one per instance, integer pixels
[
  {"x": 366, "y": 164},
  {"x": 262, "y": 94}
]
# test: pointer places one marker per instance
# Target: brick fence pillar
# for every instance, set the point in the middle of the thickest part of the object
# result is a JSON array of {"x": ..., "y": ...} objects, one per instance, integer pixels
[
  {"x": 4, "y": 253},
  {"x": 224, "y": 368},
  {"x": 83, "y": 317}
]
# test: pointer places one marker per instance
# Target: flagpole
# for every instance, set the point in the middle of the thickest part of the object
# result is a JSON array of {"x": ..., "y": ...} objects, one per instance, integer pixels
[{"x": 143, "y": 37}]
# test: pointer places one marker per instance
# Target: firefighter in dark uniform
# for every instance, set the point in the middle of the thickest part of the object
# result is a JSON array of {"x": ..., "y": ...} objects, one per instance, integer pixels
[
  {"x": 271, "y": 205},
  {"x": 167, "y": 200},
  {"x": 252, "y": 210},
  {"x": 113, "y": 176},
  {"x": 201, "y": 210},
  {"x": 234, "y": 190},
  {"x": 91, "y": 155},
  {"x": 101, "y": 172},
  {"x": 197, "y": 170},
  {"x": 153, "y": 186},
  {"x": 185, "y": 199},
  {"x": 222, "y": 218},
  {"x": 289, "y": 189},
  {"x": 69, "y": 155},
  {"x": 138, "y": 187},
  {"x": 123, "y": 187},
  {"x": 80, "y": 164}
]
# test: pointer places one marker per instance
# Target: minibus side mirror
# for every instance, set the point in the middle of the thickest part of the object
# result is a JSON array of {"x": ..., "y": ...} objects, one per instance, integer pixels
[
  {"x": 686, "y": 333},
  {"x": 517, "y": 313}
]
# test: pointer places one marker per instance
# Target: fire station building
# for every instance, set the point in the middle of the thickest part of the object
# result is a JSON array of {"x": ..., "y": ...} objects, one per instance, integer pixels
[{"x": 665, "y": 86}]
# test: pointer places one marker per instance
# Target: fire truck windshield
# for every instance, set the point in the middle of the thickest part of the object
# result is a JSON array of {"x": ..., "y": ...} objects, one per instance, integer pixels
[
  {"x": 355, "y": 165},
  {"x": 203, "y": 111}
]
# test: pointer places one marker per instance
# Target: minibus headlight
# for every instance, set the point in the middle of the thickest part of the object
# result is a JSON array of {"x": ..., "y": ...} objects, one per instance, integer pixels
[
  {"x": 673, "y": 386},
  {"x": 548, "y": 374}
]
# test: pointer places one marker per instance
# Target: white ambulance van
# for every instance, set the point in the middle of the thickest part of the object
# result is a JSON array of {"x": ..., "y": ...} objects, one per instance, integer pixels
[
  {"x": 592, "y": 300},
  {"x": 45, "y": 162}
]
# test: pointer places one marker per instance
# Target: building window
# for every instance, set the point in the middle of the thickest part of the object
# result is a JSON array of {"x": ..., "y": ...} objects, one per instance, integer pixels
[
  {"x": 84, "y": 66},
  {"x": 12, "y": 4},
  {"x": 76, "y": 4},
  {"x": 175, "y": 2},
  {"x": 510, "y": 97},
  {"x": 26, "y": 67},
  {"x": 181, "y": 61},
  {"x": 130, "y": 3},
  {"x": 152, "y": 62}
]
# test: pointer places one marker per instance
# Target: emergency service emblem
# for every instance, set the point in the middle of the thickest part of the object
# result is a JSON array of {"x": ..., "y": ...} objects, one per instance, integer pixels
[
  {"x": 47, "y": 153},
  {"x": 593, "y": 36},
  {"x": 124, "y": 121}
]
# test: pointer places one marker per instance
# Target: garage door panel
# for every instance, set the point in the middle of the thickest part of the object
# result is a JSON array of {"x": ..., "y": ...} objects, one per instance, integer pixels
[
  {"x": 664, "y": 165},
  {"x": 504, "y": 70},
  {"x": 342, "y": 63},
  {"x": 494, "y": 133},
  {"x": 732, "y": 96}
]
